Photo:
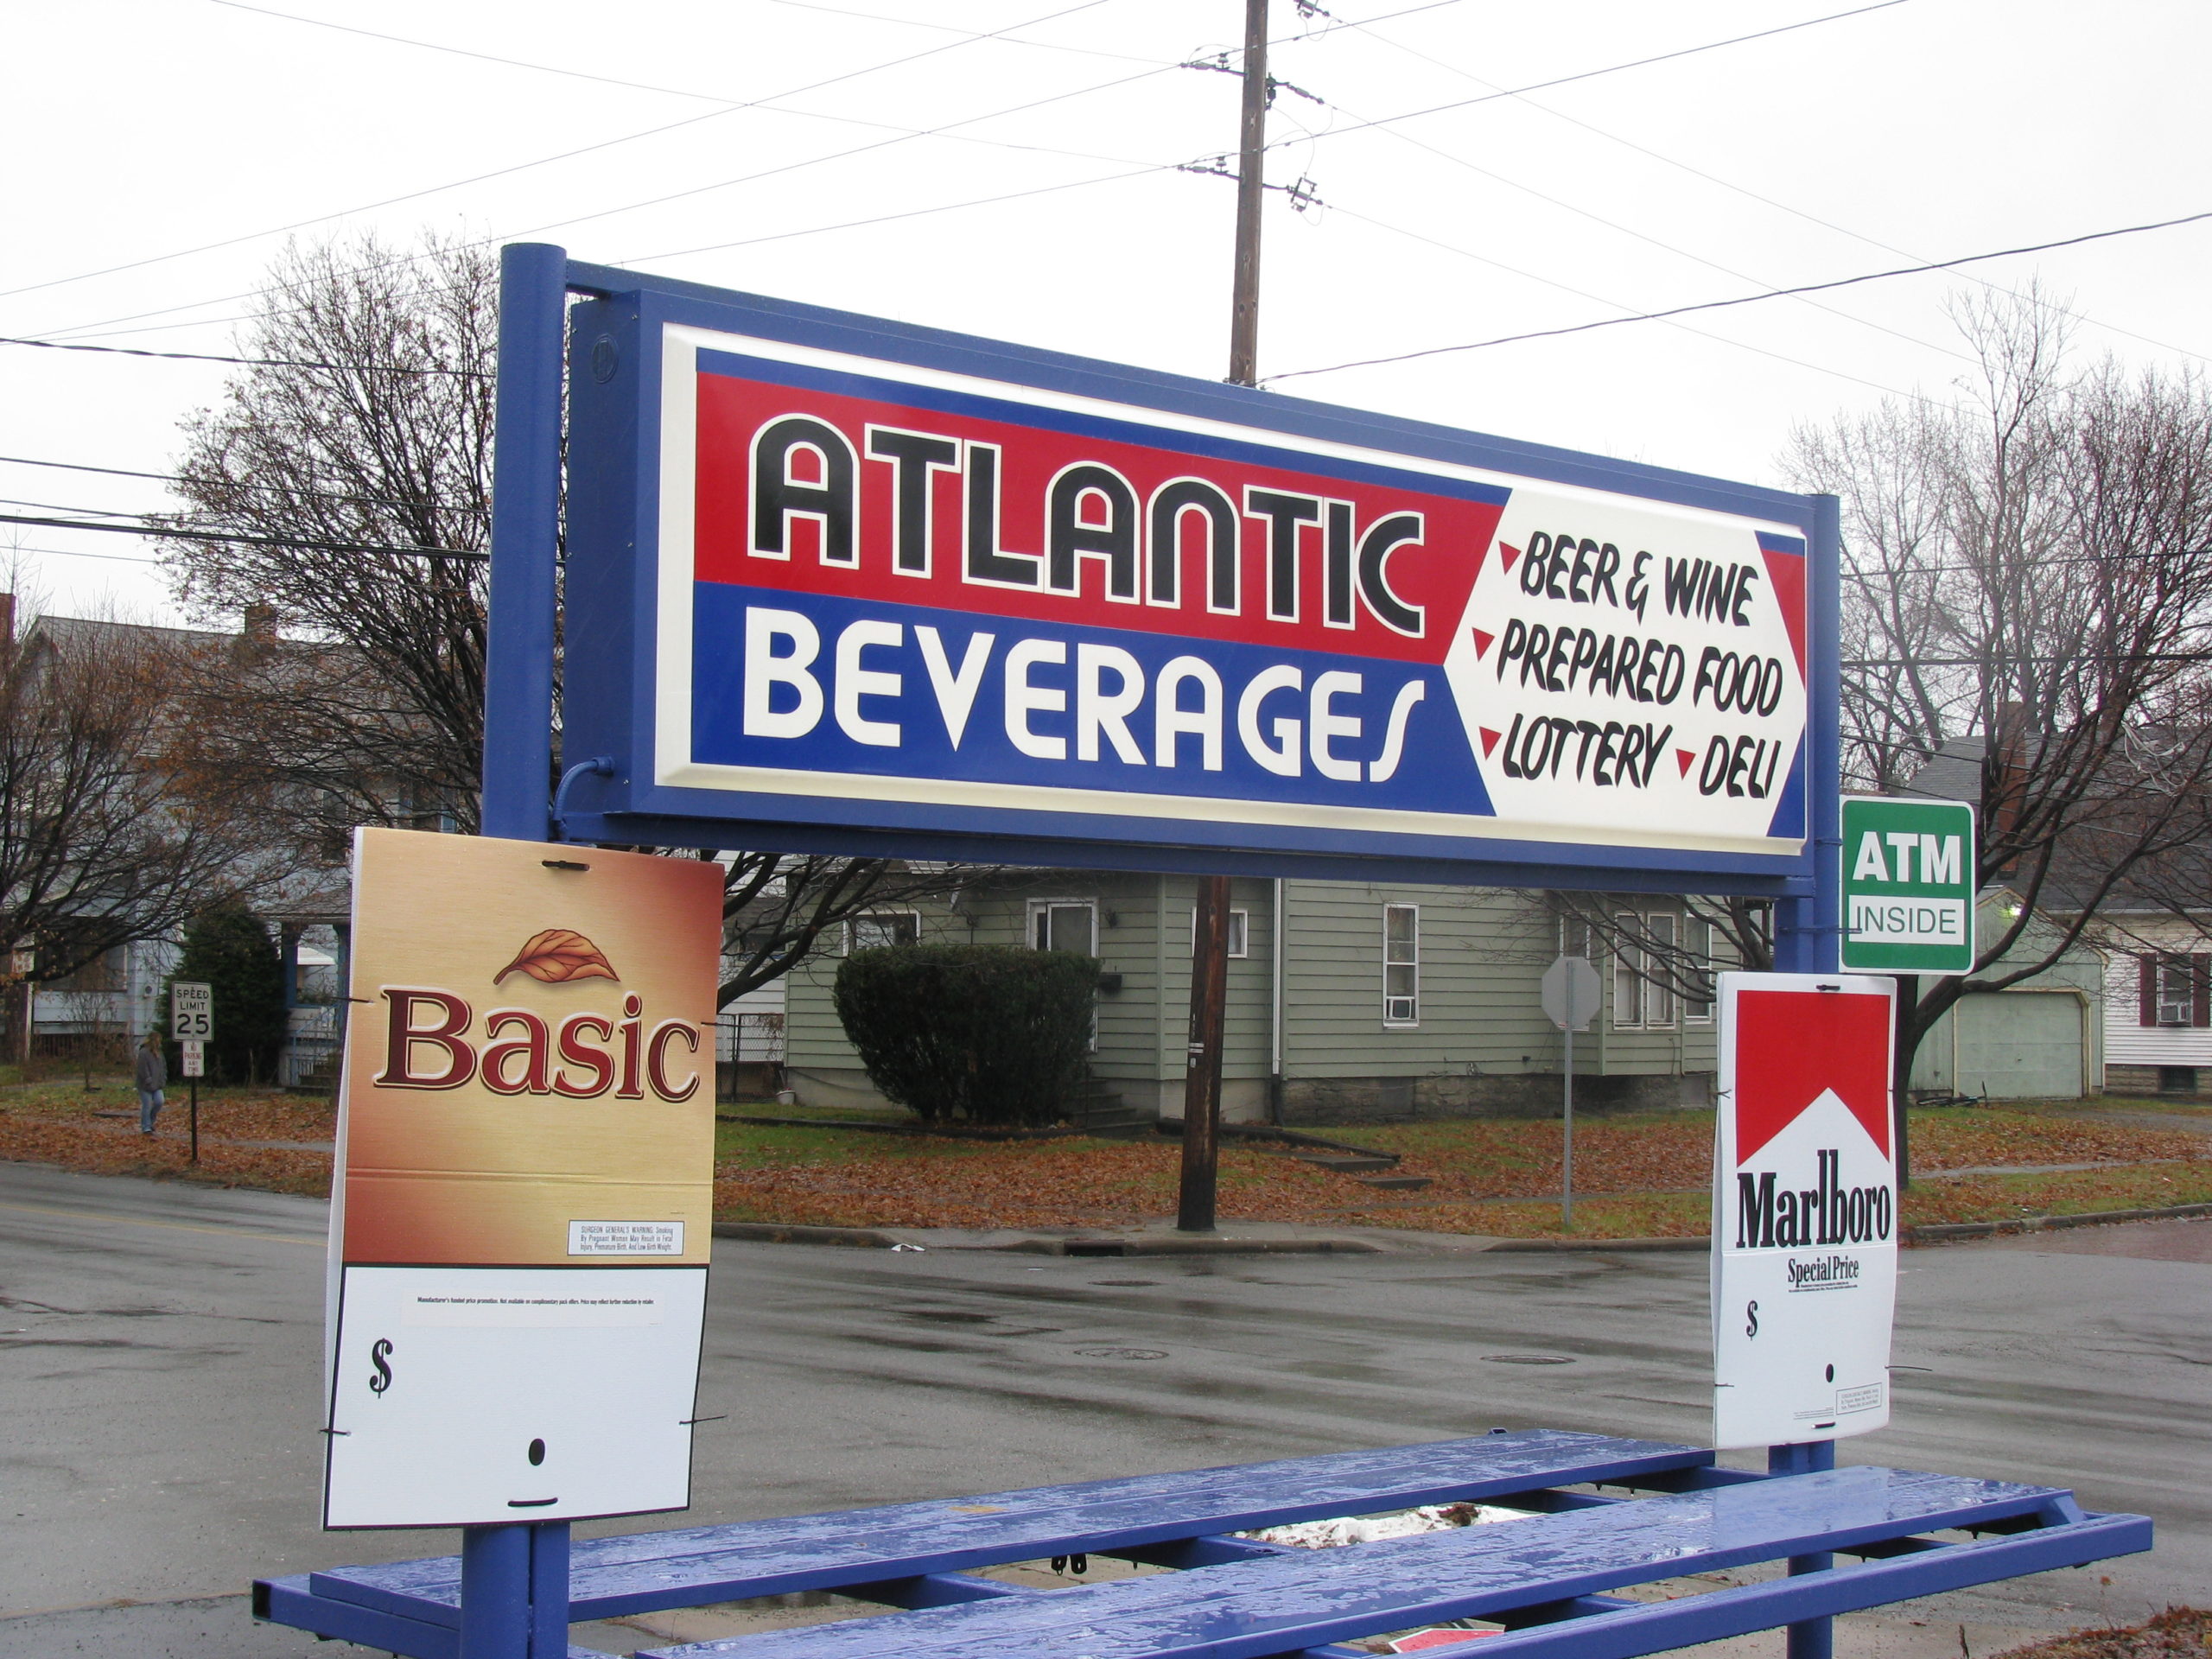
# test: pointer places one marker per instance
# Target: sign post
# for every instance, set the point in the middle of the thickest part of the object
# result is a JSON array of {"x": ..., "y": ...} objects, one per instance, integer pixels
[
  {"x": 1804, "y": 1225},
  {"x": 192, "y": 1023},
  {"x": 1571, "y": 993}
]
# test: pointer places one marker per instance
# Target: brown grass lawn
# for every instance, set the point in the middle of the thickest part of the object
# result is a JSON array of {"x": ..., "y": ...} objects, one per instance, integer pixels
[{"x": 1641, "y": 1175}]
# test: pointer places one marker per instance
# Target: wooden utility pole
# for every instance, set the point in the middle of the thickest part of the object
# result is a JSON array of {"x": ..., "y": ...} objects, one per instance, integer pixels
[
  {"x": 1202, "y": 1076},
  {"x": 1210, "y": 922},
  {"x": 1251, "y": 191}
]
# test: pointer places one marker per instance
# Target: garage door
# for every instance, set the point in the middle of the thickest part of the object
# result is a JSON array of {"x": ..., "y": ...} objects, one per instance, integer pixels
[{"x": 2015, "y": 1045}]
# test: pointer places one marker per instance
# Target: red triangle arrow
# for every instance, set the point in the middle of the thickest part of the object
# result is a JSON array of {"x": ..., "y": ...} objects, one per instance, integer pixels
[
  {"x": 1482, "y": 642},
  {"x": 1685, "y": 758},
  {"x": 1510, "y": 554},
  {"x": 1490, "y": 741}
]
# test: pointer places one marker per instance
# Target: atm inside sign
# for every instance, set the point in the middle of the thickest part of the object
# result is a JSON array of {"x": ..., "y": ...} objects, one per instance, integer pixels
[{"x": 1908, "y": 886}]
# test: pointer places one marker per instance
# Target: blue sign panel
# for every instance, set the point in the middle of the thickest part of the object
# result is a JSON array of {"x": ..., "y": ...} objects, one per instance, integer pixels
[{"x": 865, "y": 588}]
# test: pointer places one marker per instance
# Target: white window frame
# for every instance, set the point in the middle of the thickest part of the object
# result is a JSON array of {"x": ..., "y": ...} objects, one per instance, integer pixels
[
  {"x": 1240, "y": 932},
  {"x": 1703, "y": 955},
  {"x": 853, "y": 926},
  {"x": 1659, "y": 1001},
  {"x": 1394, "y": 1019},
  {"x": 2183, "y": 969},
  {"x": 1040, "y": 907},
  {"x": 1653, "y": 1006},
  {"x": 1628, "y": 982}
]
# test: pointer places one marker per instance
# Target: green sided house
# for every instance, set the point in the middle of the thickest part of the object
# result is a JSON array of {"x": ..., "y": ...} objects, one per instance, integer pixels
[
  {"x": 1351, "y": 1002},
  {"x": 1347, "y": 1002}
]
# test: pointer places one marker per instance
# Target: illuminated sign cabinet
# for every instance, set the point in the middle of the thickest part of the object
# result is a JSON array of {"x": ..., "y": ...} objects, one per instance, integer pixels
[{"x": 840, "y": 574}]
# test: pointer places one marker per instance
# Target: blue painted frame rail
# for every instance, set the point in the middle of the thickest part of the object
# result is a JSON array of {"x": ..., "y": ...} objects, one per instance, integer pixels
[{"x": 1237, "y": 1598}]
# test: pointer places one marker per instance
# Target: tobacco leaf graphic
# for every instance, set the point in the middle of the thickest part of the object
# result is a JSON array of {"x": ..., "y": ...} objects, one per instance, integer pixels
[{"x": 557, "y": 955}]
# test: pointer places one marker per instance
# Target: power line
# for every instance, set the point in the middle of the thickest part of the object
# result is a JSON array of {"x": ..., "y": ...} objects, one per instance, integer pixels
[
  {"x": 1750, "y": 299},
  {"x": 1367, "y": 28},
  {"x": 295, "y": 490},
  {"x": 1717, "y": 339},
  {"x": 1644, "y": 236},
  {"x": 73, "y": 553},
  {"x": 1588, "y": 75},
  {"x": 521, "y": 166},
  {"x": 253, "y": 362},
  {"x": 917, "y": 213},
  {"x": 252, "y": 541},
  {"x": 1429, "y": 5}
]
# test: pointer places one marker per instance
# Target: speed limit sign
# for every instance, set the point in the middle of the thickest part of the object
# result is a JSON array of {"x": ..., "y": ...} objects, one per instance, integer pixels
[{"x": 191, "y": 1010}]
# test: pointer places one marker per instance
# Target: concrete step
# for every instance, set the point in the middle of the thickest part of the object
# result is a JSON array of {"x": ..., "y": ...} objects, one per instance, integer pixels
[{"x": 1396, "y": 1183}]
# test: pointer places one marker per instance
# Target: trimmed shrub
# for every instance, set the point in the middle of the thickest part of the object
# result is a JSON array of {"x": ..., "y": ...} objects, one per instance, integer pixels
[{"x": 985, "y": 1033}]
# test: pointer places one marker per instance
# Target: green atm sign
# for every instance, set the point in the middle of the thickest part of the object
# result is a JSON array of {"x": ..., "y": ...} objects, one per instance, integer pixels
[{"x": 1908, "y": 886}]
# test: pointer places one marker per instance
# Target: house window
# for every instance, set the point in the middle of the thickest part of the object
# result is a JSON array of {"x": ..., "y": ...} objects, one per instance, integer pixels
[
  {"x": 882, "y": 927},
  {"x": 1628, "y": 976},
  {"x": 1645, "y": 958},
  {"x": 1400, "y": 964},
  {"x": 2171, "y": 990},
  {"x": 1240, "y": 922},
  {"x": 1064, "y": 925},
  {"x": 1697, "y": 944},
  {"x": 1573, "y": 937}
]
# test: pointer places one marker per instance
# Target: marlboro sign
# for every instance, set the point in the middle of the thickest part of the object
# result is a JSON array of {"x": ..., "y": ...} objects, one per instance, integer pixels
[
  {"x": 523, "y": 1201},
  {"x": 1804, "y": 1210}
]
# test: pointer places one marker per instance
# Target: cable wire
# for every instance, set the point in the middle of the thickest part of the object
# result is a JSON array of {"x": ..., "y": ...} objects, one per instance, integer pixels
[
  {"x": 255, "y": 362},
  {"x": 1366, "y": 28},
  {"x": 1750, "y": 299},
  {"x": 1589, "y": 74},
  {"x": 252, "y": 541},
  {"x": 523, "y": 167}
]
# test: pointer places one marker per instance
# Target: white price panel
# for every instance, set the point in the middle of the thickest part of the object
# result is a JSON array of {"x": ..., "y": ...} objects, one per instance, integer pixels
[{"x": 191, "y": 1011}]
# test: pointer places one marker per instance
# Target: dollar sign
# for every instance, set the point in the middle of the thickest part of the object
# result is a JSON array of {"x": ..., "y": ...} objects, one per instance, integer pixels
[
  {"x": 1751, "y": 1317},
  {"x": 382, "y": 1380}
]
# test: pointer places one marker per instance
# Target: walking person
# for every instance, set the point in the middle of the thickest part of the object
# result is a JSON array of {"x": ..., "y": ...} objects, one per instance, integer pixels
[{"x": 153, "y": 1079}]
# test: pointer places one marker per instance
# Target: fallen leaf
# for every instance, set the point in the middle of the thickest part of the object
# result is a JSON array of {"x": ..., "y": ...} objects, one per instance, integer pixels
[{"x": 558, "y": 955}]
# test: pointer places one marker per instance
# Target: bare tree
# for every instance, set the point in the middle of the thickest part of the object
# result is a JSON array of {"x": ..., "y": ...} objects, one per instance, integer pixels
[
  {"x": 367, "y": 422},
  {"x": 358, "y": 695},
  {"x": 2028, "y": 586},
  {"x": 110, "y": 832}
]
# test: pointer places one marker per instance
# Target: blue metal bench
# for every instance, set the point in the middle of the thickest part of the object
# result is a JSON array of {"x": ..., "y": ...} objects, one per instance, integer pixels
[{"x": 1547, "y": 1576}]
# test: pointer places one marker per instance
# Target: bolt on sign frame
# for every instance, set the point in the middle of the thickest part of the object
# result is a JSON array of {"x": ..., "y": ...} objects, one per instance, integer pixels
[{"x": 833, "y": 583}]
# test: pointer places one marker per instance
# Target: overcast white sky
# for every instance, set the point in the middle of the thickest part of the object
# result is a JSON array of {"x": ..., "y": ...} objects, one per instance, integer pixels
[{"x": 142, "y": 131}]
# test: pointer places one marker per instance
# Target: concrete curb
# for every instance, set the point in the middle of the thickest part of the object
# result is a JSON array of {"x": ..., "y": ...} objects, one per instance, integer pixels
[
  {"x": 1940, "y": 1232},
  {"x": 1369, "y": 1241}
]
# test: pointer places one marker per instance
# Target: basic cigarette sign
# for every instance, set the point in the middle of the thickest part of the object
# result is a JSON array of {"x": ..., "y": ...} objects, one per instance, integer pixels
[
  {"x": 1804, "y": 1208},
  {"x": 523, "y": 1214},
  {"x": 911, "y": 597}
]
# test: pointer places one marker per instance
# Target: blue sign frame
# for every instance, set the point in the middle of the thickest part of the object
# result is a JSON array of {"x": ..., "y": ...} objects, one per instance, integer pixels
[{"x": 609, "y": 347}]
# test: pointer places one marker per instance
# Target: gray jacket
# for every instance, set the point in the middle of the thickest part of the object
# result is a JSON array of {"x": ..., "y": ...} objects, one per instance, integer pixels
[{"x": 153, "y": 1069}]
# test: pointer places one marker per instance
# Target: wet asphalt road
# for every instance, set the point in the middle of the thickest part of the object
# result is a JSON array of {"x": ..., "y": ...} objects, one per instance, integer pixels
[{"x": 160, "y": 1358}]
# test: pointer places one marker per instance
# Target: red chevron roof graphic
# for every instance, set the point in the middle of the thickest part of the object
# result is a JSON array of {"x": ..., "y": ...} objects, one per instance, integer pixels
[{"x": 1791, "y": 1046}]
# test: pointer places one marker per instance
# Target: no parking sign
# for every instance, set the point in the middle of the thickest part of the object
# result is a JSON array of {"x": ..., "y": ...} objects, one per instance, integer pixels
[{"x": 1804, "y": 1208}]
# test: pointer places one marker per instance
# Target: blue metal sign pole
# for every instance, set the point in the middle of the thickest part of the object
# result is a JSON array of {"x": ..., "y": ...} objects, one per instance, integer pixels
[
  {"x": 514, "y": 1578},
  {"x": 1808, "y": 930}
]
